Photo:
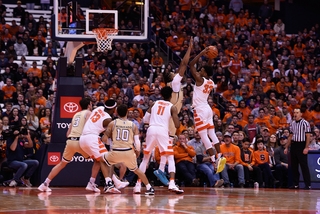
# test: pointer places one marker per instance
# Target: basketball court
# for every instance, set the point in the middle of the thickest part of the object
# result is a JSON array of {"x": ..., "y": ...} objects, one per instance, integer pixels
[{"x": 194, "y": 200}]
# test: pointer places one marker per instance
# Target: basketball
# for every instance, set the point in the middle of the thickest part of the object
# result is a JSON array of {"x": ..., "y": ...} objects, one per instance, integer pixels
[{"x": 213, "y": 52}]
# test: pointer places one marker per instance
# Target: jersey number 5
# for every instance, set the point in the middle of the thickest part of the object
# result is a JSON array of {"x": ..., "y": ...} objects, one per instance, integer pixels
[
  {"x": 95, "y": 117},
  {"x": 160, "y": 110},
  {"x": 207, "y": 89}
]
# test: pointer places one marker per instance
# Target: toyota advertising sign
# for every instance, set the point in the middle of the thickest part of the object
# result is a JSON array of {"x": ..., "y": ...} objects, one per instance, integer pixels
[{"x": 67, "y": 96}]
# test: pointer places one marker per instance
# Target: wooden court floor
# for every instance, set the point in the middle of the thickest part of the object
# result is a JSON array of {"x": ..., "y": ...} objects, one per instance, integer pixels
[{"x": 195, "y": 200}]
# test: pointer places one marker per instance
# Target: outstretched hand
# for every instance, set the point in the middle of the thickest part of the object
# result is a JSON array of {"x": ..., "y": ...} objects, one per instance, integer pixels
[
  {"x": 205, "y": 51},
  {"x": 191, "y": 43}
]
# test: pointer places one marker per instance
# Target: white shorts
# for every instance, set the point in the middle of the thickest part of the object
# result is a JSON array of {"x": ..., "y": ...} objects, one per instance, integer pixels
[
  {"x": 92, "y": 145},
  {"x": 158, "y": 135},
  {"x": 203, "y": 118}
]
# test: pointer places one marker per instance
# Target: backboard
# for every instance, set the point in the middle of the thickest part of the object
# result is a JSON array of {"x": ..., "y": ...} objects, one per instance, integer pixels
[{"x": 131, "y": 18}]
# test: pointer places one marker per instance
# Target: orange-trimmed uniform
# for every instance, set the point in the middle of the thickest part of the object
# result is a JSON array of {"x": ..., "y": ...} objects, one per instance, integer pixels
[
  {"x": 90, "y": 141},
  {"x": 158, "y": 131},
  {"x": 202, "y": 111}
]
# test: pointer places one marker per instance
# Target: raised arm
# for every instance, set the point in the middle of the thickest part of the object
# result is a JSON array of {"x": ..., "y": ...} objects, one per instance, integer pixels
[
  {"x": 184, "y": 63},
  {"x": 193, "y": 70}
]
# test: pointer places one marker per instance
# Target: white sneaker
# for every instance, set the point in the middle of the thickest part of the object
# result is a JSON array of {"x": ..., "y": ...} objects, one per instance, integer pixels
[
  {"x": 13, "y": 183},
  {"x": 122, "y": 185},
  {"x": 137, "y": 188},
  {"x": 174, "y": 188},
  {"x": 26, "y": 182},
  {"x": 44, "y": 188},
  {"x": 92, "y": 187}
]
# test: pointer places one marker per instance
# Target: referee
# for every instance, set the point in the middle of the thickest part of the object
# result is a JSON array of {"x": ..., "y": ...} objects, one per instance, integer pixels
[{"x": 299, "y": 140}]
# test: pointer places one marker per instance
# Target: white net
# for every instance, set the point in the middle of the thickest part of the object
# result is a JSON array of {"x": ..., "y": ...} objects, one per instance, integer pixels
[{"x": 104, "y": 37}]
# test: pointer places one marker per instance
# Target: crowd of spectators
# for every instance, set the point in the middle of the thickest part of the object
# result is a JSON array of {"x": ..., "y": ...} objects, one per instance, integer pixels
[{"x": 262, "y": 74}]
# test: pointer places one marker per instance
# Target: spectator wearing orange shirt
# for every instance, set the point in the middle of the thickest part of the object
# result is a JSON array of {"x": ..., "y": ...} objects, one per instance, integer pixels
[
  {"x": 8, "y": 90},
  {"x": 62, "y": 17},
  {"x": 36, "y": 71},
  {"x": 241, "y": 20},
  {"x": 227, "y": 94},
  {"x": 141, "y": 84},
  {"x": 45, "y": 122},
  {"x": 174, "y": 42},
  {"x": 94, "y": 64},
  {"x": 235, "y": 65},
  {"x": 113, "y": 89},
  {"x": 183, "y": 155},
  {"x": 262, "y": 120},
  {"x": 220, "y": 16},
  {"x": 215, "y": 110},
  {"x": 135, "y": 106},
  {"x": 293, "y": 105},
  {"x": 316, "y": 115},
  {"x": 156, "y": 60},
  {"x": 99, "y": 70},
  {"x": 261, "y": 159},
  {"x": 232, "y": 154},
  {"x": 212, "y": 8},
  {"x": 185, "y": 6},
  {"x": 274, "y": 120}
]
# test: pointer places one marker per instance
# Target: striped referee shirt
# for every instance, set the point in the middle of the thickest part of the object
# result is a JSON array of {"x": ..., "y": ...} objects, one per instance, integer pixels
[{"x": 299, "y": 129}]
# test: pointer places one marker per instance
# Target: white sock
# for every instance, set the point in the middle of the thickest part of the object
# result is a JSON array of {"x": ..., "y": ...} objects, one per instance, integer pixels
[
  {"x": 219, "y": 155},
  {"x": 172, "y": 182},
  {"x": 115, "y": 179},
  {"x": 213, "y": 158},
  {"x": 47, "y": 181},
  {"x": 139, "y": 181},
  {"x": 107, "y": 179},
  {"x": 92, "y": 180},
  {"x": 148, "y": 186}
]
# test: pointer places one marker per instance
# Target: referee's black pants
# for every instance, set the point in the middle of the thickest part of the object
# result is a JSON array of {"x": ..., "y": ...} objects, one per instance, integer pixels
[{"x": 297, "y": 157}]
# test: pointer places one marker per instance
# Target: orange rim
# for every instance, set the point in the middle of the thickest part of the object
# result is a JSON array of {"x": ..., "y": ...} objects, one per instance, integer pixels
[{"x": 102, "y": 33}]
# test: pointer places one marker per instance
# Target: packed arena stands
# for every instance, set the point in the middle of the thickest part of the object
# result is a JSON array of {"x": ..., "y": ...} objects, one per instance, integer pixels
[{"x": 261, "y": 74}]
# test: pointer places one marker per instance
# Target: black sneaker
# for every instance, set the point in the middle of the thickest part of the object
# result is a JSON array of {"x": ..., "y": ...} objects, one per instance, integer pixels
[
  {"x": 241, "y": 185},
  {"x": 294, "y": 187},
  {"x": 307, "y": 188},
  {"x": 227, "y": 185},
  {"x": 150, "y": 191},
  {"x": 110, "y": 188}
]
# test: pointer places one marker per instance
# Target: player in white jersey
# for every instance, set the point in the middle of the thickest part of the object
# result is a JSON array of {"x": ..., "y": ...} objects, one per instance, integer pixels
[
  {"x": 73, "y": 135},
  {"x": 203, "y": 115},
  {"x": 174, "y": 81},
  {"x": 158, "y": 133},
  {"x": 90, "y": 141}
]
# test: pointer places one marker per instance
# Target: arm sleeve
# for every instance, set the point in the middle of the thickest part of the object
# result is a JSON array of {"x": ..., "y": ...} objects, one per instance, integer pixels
[
  {"x": 137, "y": 143},
  {"x": 176, "y": 83},
  {"x": 146, "y": 117}
]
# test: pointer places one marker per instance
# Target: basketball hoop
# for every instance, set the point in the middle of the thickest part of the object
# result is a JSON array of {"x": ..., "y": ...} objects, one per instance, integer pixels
[{"x": 104, "y": 37}]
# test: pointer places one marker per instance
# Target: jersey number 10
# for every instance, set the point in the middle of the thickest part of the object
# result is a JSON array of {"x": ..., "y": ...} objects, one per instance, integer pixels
[{"x": 124, "y": 135}]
